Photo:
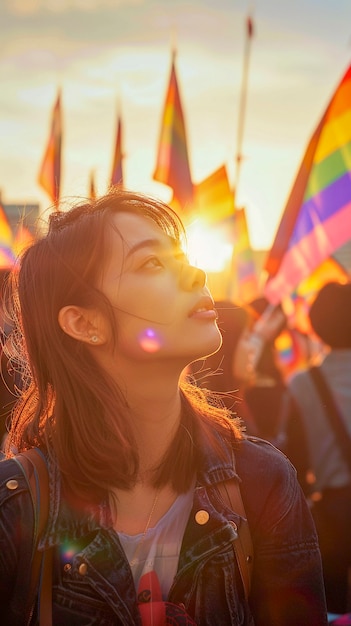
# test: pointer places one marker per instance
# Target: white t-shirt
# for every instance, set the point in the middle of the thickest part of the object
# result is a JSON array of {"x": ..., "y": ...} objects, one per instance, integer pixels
[{"x": 159, "y": 550}]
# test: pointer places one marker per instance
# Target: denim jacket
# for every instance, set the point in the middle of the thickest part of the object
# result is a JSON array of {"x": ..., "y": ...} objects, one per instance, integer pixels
[{"x": 92, "y": 580}]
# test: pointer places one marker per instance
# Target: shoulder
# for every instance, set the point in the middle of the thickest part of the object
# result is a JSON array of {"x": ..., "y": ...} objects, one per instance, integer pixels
[
  {"x": 268, "y": 480},
  {"x": 13, "y": 483},
  {"x": 255, "y": 456},
  {"x": 9, "y": 468},
  {"x": 16, "y": 508}
]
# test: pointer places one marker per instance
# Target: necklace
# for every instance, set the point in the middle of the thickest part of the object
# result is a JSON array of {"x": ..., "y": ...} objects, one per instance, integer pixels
[{"x": 140, "y": 543}]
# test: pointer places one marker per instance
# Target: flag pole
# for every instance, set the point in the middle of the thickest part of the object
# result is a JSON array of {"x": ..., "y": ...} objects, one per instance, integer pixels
[{"x": 242, "y": 104}]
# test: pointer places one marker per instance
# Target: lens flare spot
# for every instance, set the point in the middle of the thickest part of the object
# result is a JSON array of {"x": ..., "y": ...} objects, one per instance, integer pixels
[
  {"x": 68, "y": 551},
  {"x": 149, "y": 340}
]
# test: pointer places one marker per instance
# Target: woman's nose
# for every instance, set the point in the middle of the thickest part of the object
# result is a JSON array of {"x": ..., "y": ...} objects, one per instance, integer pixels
[{"x": 192, "y": 278}]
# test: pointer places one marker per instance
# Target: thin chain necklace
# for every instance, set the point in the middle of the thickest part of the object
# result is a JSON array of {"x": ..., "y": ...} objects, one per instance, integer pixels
[{"x": 140, "y": 543}]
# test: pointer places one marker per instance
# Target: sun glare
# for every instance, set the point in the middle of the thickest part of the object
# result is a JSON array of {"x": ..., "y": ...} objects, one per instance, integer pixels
[{"x": 208, "y": 246}]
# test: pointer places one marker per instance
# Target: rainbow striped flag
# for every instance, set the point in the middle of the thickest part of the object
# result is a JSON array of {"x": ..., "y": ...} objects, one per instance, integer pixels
[
  {"x": 117, "y": 171},
  {"x": 7, "y": 256},
  {"x": 50, "y": 171},
  {"x": 23, "y": 239},
  {"x": 172, "y": 165},
  {"x": 244, "y": 265},
  {"x": 317, "y": 217},
  {"x": 213, "y": 197}
]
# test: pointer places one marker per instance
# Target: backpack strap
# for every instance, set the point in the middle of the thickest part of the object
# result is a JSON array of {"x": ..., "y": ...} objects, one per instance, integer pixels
[
  {"x": 333, "y": 413},
  {"x": 34, "y": 467},
  {"x": 243, "y": 547}
]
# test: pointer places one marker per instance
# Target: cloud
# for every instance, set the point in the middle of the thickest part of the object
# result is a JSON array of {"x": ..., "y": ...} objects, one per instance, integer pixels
[{"x": 31, "y": 7}]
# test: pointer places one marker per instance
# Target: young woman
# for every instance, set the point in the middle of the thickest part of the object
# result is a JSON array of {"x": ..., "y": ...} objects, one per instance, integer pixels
[{"x": 108, "y": 313}]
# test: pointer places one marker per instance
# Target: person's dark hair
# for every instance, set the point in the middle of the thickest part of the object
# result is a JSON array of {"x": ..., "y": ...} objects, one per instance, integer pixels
[
  {"x": 69, "y": 402},
  {"x": 330, "y": 315}
]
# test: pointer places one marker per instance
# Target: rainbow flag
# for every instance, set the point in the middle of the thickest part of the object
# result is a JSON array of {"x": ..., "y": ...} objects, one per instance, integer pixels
[
  {"x": 329, "y": 271},
  {"x": 317, "y": 217},
  {"x": 172, "y": 165},
  {"x": 50, "y": 171},
  {"x": 244, "y": 265},
  {"x": 117, "y": 171},
  {"x": 7, "y": 256},
  {"x": 213, "y": 197},
  {"x": 23, "y": 239}
]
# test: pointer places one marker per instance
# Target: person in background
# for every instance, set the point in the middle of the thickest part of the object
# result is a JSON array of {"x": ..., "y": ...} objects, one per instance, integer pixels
[
  {"x": 245, "y": 370},
  {"x": 265, "y": 387},
  {"x": 107, "y": 314},
  {"x": 311, "y": 442}
]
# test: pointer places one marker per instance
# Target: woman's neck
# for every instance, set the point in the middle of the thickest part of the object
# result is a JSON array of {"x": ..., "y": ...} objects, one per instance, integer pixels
[{"x": 155, "y": 426}]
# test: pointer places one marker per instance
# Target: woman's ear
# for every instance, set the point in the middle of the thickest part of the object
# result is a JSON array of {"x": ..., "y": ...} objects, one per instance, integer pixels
[{"x": 82, "y": 324}]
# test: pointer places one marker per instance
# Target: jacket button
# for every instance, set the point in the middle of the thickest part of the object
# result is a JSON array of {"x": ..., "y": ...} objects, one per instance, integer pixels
[
  {"x": 83, "y": 568},
  {"x": 202, "y": 517},
  {"x": 12, "y": 484},
  {"x": 67, "y": 567}
]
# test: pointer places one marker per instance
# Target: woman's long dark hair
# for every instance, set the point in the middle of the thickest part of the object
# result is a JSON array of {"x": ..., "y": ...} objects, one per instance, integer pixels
[{"x": 69, "y": 404}]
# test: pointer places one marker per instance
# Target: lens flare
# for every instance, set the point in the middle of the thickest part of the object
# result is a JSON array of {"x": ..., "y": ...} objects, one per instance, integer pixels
[
  {"x": 68, "y": 551},
  {"x": 149, "y": 340}
]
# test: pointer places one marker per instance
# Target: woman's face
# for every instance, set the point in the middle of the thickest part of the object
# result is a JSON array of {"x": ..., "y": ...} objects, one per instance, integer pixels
[{"x": 163, "y": 308}]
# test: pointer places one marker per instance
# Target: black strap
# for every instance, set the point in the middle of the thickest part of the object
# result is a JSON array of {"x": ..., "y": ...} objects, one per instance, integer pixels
[{"x": 332, "y": 411}]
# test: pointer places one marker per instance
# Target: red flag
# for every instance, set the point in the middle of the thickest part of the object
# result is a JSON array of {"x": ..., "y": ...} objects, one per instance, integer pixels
[
  {"x": 250, "y": 27},
  {"x": 50, "y": 170},
  {"x": 117, "y": 172},
  {"x": 172, "y": 166}
]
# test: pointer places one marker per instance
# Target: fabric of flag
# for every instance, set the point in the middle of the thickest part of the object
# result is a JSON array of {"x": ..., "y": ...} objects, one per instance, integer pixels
[
  {"x": 23, "y": 239},
  {"x": 172, "y": 165},
  {"x": 293, "y": 351},
  {"x": 213, "y": 197},
  {"x": 250, "y": 27},
  {"x": 7, "y": 256},
  {"x": 317, "y": 217},
  {"x": 117, "y": 171},
  {"x": 244, "y": 266},
  {"x": 50, "y": 170},
  {"x": 329, "y": 271}
]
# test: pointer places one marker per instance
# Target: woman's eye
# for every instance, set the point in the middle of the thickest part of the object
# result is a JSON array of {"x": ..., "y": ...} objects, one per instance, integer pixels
[{"x": 152, "y": 262}]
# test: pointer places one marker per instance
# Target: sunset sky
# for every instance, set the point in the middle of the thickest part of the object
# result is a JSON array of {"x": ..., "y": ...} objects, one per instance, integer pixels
[{"x": 109, "y": 53}]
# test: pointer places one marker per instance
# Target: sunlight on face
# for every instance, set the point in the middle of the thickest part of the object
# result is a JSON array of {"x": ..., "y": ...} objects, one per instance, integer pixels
[{"x": 149, "y": 340}]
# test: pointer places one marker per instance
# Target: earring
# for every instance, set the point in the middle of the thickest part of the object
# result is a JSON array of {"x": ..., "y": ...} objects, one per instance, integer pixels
[{"x": 94, "y": 338}]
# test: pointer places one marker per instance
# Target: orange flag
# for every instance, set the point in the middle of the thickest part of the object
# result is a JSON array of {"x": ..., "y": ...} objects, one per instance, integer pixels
[
  {"x": 50, "y": 171},
  {"x": 117, "y": 171},
  {"x": 23, "y": 239},
  {"x": 92, "y": 188},
  {"x": 213, "y": 197}
]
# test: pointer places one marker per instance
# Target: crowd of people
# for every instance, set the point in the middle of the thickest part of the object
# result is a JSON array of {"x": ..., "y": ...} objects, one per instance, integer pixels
[
  {"x": 148, "y": 401},
  {"x": 289, "y": 408}
]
